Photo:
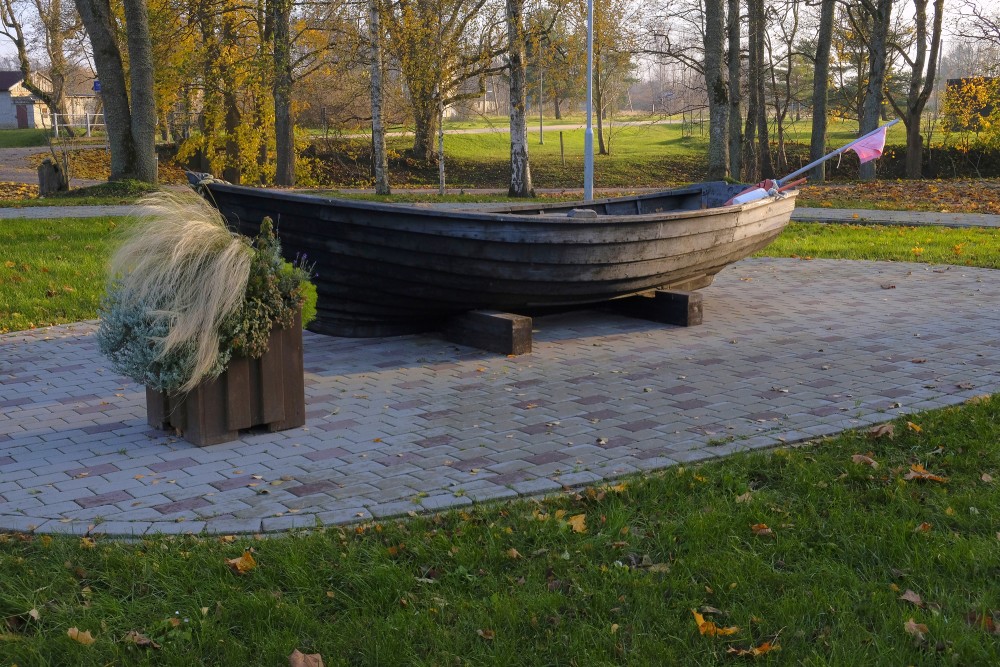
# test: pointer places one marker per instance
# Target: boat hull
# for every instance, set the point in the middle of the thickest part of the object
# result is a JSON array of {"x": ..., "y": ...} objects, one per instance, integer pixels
[{"x": 387, "y": 269}]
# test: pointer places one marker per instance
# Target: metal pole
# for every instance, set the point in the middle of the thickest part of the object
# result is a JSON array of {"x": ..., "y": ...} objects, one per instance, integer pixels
[{"x": 588, "y": 135}]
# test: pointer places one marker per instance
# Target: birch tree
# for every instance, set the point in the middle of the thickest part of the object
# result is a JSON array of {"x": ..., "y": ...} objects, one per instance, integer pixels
[
  {"x": 520, "y": 170},
  {"x": 380, "y": 159}
]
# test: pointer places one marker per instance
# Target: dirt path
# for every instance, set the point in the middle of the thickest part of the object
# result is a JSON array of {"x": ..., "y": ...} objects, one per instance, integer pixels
[{"x": 15, "y": 166}]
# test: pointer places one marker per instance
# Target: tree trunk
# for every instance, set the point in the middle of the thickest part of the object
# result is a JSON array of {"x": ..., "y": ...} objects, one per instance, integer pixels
[
  {"x": 872, "y": 109},
  {"x": 821, "y": 86},
  {"x": 920, "y": 85},
  {"x": 380, "y": 158},
  {"x": 558, "y": 111},
  {"x": 424, "y": 128},
  {"x": 143, "y": 104},
  {"x": 50, "y": 22},
  {"x": 599, "y": 106},
  {"x": 284, "y": 127},
  {"x": 757, "y": 30},
  {"x": 715, "y": 84},
  {"x": 735, "y": 116},
  {"x": 520, "y": 171},
  {"x": 99, "y": 22}
]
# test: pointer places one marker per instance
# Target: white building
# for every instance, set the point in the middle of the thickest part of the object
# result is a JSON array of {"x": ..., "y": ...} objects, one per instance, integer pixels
[{"x": 20, "y": 109}]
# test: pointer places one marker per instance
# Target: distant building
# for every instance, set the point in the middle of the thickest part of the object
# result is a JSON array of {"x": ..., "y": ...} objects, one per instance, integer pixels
[{"x": 20, "y": 109}]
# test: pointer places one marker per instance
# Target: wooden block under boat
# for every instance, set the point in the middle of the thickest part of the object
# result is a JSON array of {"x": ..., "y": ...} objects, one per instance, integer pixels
[
  {"x": 491, "y": 330},
  {"x": 664, "y": 306}
]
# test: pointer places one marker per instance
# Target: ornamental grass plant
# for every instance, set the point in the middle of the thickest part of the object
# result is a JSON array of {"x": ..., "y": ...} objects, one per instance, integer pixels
[{"x": 185, "y": 294}]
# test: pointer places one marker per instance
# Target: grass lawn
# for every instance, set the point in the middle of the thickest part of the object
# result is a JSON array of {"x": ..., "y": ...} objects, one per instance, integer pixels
[
  {"x": 802, "y": 548},
  {"x": 52, "y": 271},
  {"x": 934, "y": 245},
  {"x": 23, "y": 138}
]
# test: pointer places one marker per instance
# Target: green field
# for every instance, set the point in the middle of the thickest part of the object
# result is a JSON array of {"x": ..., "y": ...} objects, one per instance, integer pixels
[{"x": 23, "y": 138}]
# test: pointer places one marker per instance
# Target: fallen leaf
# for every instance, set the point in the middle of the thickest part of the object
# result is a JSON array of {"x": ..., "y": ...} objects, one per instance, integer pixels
[
  {"x": 923, "y": 528},
  {"x": 578, "y": 523},
  {"x": 744, "y": 498},
  {"x": 300, "y": 659},
  {"x": 915, "y": 629},
  {"x": 888, "y": 286},
  {"x": 912, "y": 598},
  {"x": 882, "y": 431},
  {"x": 513, "y": 553},
  {"x": 761, "y": 530},
  {"x": 614, "y": 628},
  {"x": 87, "y": 542},
  {"x": 914, "y": 427},
  {"x": 753, "y": 651},
  {"x": 84, "y": 638},
  {"x": 965, "y": 385},
  {"x": 243, "y": 564},
  {"x": 710, "y": 628},
  {"x": 139, "y": 639},
  {"x": 986, "y": 477},
  {"x": 488, "y": 635},
  {"x": 984, "y": 621},
  {"x": 917, "y": 471},
  {"x": 862, "y": 459}
]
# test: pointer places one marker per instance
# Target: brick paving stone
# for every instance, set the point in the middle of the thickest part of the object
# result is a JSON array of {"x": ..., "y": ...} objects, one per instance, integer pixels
[{"x": 392, "y": 419}]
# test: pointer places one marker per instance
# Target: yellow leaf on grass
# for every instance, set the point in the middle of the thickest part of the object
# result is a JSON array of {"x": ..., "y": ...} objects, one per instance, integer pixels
[
  {"x": 578, "y": 523},
  {"x": 513, "y": 553},
  {"x": 914, "y": 427},
  {"x": 761, "y": 530},
  {"x": 917, "y": 471},
  {"x": 710, "y": 628},
  {"x": 753, "y": 651},
  {"x": 84, "y": 638},
  {"x": 488, "y": 635},
  {"x": 614, "y": 628},
  {"x": 923, "y": 528},
  {"x": 745, "y": 498},
  {"x": 243, "y": 564},
  {"x": 87, "y": 542},
  {"x": 913, "y": 598}
]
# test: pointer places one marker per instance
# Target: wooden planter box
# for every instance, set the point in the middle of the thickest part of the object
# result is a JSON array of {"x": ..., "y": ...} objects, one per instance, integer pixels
[{"x": 269, "y": 391}]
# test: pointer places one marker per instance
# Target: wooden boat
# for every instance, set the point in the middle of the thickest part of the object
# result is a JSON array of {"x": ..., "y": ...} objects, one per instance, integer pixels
[{"x": 387, "y": 269}]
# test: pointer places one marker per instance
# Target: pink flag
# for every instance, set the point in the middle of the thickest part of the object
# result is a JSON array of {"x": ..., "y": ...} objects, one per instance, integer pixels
[{"x": 870, "y": 147}]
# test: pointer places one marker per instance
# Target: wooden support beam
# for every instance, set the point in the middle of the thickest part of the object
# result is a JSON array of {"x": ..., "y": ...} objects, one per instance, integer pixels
[
  {"x": 491, "y": 330},
  {"x": 667, "y": 307}
]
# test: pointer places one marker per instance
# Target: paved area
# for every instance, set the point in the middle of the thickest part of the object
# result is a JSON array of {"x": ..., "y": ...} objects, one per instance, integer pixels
[
  {"x": 790, "y": 349},
  {"x": 860, "y": 216}
]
